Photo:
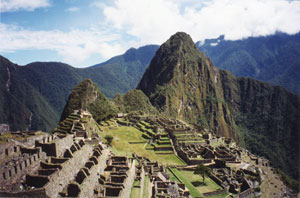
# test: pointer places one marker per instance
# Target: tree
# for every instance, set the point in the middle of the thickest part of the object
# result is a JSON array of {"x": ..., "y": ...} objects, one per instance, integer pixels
[
  {"x": 109, "y": 139},
  {"x": 202, "y": 170}
]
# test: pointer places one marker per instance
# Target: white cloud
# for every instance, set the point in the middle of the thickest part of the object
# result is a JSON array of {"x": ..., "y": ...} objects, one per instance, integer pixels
[
  {"x": 29, "y": 5},
  {"x": 153, "y": 21},
  {"x": 134, "y": 23},
  {"x": 72, "y": 9},
  {"x": 75, "y": 46}
]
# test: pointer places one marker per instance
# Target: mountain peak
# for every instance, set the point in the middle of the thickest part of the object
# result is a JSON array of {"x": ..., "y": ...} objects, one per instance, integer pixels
[
  {"x": 181, "y": 41},
  {"x": 170, "y": 59},
  {"x": 181, "y": 36},
  {"x": 183, "y": 83},
  {"x": 86, "y": 95}
]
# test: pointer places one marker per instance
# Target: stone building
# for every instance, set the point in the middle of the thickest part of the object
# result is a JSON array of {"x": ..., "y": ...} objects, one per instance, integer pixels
[{"x": 4, "y": 128}]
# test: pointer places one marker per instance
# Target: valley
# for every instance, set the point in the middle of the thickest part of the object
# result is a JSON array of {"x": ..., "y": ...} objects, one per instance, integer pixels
[{"x": 189, "y": 129}]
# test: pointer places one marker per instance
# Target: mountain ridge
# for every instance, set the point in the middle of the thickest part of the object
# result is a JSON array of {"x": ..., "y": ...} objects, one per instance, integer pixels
[
  {"x": 187, "y": 86},
  {"x": 273, "y": 59},
  {"x": 52, "y": 82}
]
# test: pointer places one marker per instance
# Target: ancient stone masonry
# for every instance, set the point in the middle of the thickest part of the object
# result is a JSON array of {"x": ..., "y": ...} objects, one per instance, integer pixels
[
  {"x": 79, "y": 124},
  {"x": 4, "y": 128},
  {"x": 160, "y": 179},
  {"x": 17, "y": 160},
  {"x": 73, "y": 162},
  {"x": 87, "y": 177},
  {"x": 52, "y": 164},
  {"x": 56, "y": 172},
  {"x": 204, "y": 147},
  {"x": 117, "y": 179}
]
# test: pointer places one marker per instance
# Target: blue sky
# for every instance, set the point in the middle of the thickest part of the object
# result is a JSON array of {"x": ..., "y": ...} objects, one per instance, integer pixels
[{"x": 84, "y": 33}]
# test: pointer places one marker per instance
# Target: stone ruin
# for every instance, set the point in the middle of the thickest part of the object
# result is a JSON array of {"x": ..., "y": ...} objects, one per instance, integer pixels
[
  {"x": 4, "y": 128},
  {"x": 53, "y": 166},
  {"x": 161, "y": 185},
  {"x": 75, "y": 163},
  {"x": 117, "y": 179}
]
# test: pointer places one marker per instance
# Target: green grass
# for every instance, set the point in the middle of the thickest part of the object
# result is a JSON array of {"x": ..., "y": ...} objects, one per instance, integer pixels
[
  {"x": 172, "y": 176},
  {"x": 210, "y": 184},
  {"x": 192, "y": 182},
  {"x": 120, "y": 145},
  {"x": 146, "y": 187},
  {"x": 135, "y": 190},
  {"x": 193, "y": 190},
  {"x": 162, "y": 145}
]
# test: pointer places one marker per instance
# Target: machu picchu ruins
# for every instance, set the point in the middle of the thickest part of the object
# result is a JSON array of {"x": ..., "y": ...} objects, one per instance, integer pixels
[
  {"x": 186, "y": 129},
  {"x": 75, "y": 161}
]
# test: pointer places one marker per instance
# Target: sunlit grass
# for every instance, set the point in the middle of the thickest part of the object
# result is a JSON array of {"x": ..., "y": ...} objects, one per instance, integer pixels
[{"x": 121, "y": 145}]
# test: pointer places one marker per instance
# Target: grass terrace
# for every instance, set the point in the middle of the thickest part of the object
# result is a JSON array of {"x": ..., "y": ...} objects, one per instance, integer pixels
[
  {"x": 129, "y": 139},
  {"x": 135, "y": 190},
  {"x": 194, "y": 182}
]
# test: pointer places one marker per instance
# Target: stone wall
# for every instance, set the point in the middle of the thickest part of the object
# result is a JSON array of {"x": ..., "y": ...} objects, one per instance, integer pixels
[
  {"x": 22, "y": 164},
  {"x": 129, "y": 181},
  {"x": 87, "y": 187},
  {"x": 142, "y": 180},
  {"x": 30, "y": 193},
  {"x": 60, "y": 179},
  {"x": 246, "y": 194},
  {"x": 213, "y": 193},
  {"x": 55, "y": 146}
]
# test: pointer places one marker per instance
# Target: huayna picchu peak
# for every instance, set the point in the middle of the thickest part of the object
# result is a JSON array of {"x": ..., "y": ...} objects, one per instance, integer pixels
[
  {"x": 183, "y": 83},
  {"x": 189, "y": 129}
]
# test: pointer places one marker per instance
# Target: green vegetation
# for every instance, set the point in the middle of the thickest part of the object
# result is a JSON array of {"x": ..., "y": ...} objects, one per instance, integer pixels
[
  {"x": 146, "y": 186},
  {"x": 192, "y": 182},
  {"x": 193, "y": 190},
  {"x": 290, "y": 182},
  {"x": 271, "y": 59},
  {"x": 109, "y": 139},
  {"x": 129, "y": 140},
  {"x": 86, "y": 95},
  {"x": 42, "y": 88},
  {"x": 202, "y": 170},
  {"x": 133, "y": 101},
  {"x": 264, "y": 117},
  {"x": 21, "y": 105},
  {"x": 135, "y": 190}
]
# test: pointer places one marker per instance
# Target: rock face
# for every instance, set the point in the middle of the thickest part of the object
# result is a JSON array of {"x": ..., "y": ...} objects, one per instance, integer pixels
[
  {"x": 183, "y": 83},
  {"x": 86, "y": 95}
]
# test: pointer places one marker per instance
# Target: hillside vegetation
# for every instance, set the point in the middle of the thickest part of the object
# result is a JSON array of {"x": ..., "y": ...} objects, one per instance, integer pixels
[
  {"x": 274, "y": 59},
  {"x": 183, "y": 83}
]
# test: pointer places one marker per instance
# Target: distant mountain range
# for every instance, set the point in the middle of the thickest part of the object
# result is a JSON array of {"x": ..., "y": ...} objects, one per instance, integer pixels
[
  {"x": 274, "y": 59},
  {"x": 33, "y": 96}
]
